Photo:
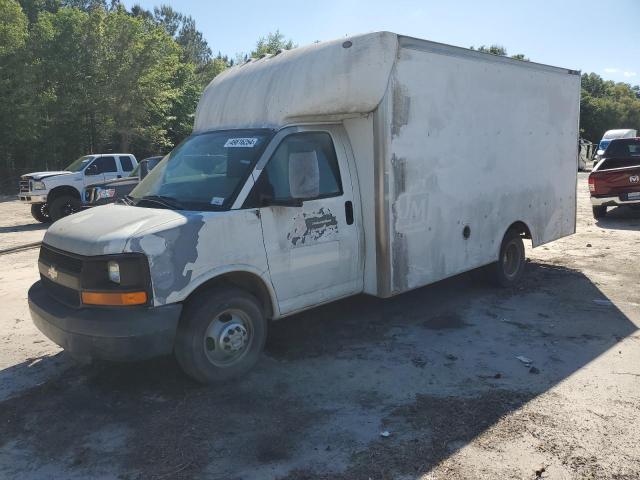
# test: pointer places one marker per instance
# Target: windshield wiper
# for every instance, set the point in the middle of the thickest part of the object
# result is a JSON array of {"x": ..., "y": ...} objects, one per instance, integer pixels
[{"x": 162, "y": 200}]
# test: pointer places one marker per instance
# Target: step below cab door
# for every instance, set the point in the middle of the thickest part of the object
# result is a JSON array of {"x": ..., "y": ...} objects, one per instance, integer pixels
[{"x": 310, "y": 227}]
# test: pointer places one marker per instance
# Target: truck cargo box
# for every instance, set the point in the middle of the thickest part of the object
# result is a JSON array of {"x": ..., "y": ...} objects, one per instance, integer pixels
[{"x": 452, "y": 146}]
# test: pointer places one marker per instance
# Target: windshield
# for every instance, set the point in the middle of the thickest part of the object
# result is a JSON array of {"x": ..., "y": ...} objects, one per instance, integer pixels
[
  {"x": 79, "y": 164},
  {"x": 205, "y": 172}
]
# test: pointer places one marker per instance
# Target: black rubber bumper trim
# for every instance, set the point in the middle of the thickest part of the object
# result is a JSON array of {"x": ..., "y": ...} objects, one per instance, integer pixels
[{"x": 117, "y": 334}]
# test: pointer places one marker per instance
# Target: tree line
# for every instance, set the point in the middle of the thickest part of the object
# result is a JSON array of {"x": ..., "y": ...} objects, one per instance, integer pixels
[{"x": 83, "y": 76}]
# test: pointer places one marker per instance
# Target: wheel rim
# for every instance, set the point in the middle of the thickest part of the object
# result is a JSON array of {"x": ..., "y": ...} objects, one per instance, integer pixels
[
  {"x": 511, "y": 260},
  {"x": 44, "y": 210},
  {"x": 228, "y": 337},
  {"x": 68, "y": 209}
]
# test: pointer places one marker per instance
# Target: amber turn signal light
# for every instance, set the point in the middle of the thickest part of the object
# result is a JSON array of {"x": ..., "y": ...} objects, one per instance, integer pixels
[{"x": 125, "y": 298}]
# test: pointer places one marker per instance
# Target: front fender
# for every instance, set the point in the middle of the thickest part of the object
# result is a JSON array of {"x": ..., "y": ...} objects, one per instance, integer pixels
[
  {"x": 184, "y": 255},
  {"x": 197, "y": 282}
]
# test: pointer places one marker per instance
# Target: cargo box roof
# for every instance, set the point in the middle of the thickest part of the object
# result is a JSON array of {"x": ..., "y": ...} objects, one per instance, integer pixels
[{"x": 327, "y": 80}]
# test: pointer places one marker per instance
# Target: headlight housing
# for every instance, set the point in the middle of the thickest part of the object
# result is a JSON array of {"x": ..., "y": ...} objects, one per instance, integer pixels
[
  {"x": 39, "y": 186},
  {"x": 116, "y": 280},
  {"x": 105, "y": 193}
]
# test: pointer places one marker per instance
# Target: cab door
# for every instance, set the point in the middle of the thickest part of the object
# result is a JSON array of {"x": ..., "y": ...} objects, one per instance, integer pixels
[{"x": 310, "y": 227}]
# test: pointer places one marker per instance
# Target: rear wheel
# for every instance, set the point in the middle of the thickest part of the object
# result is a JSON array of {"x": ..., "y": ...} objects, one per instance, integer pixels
[
  {"x": 599, "y": 212},
  {"x": 511, "y": 263},
  {"x": 221, "y": 335},
  {"x": 40, "y": 211},
  {"x": 64, "y": 206}
]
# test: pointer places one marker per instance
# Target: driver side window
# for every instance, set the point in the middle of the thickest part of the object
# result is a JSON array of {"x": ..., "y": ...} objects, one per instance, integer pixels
[{"x": 304, "y": 166}]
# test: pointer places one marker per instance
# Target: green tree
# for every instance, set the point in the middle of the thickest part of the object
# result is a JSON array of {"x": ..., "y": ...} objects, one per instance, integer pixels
[
  {"x": 607, "y": 105},
  {"x": 13, "y": 27},
  {"x": 272, "y": 44}
]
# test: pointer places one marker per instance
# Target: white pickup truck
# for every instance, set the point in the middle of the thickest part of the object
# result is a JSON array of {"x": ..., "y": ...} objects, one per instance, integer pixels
[
  {"x": 54, "y": 195},
  {"x": 374, "y": 164}
]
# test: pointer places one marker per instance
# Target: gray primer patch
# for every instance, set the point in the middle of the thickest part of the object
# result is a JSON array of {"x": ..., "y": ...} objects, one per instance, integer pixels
[
  {"x": 400, "y": 111},
  {"x": 313, "y": 226},
  {"x": 400, "y": 259},
  {"x": 168, "y": 268}
]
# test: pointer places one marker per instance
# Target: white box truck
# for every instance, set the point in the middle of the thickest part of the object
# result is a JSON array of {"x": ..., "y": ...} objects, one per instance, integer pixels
[{"x": 376, "y": 164}]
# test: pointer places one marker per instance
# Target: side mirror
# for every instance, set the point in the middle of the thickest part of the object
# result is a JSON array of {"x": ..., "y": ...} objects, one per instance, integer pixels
[{"x": 91, "y": 170}]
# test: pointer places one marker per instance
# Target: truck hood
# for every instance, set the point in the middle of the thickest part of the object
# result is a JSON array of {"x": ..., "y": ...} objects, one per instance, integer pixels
[
  {"x": 107, "y": 229},
  {"x": 41, "y": 175}
]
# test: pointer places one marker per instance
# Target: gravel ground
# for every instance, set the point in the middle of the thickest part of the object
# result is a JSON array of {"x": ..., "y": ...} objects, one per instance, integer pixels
[{"x": 436, "y": 369}]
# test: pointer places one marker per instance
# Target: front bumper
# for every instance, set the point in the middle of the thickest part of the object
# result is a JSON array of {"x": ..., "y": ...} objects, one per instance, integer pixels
[
  {"x": 116, "y": 334},
  {"x": 30, "y": 198},
  {"x": 611, "y": 201}
]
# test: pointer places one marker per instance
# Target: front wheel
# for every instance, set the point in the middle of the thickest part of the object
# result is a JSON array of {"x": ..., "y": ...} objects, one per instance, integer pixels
[
  {"x": 221, "y": 335},
  {"x": 40, "y": 211},
  {"x": 64, "y": 206},
  {"x": 511, "y": 263},
  {"x": 599, "y": 212}
]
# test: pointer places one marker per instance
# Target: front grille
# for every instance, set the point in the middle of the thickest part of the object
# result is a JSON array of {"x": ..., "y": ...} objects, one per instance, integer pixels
[
  {"x": 25, "y": 185},
  {"x": 60, "y": 260},
  {"x": 63, "y": 294}
]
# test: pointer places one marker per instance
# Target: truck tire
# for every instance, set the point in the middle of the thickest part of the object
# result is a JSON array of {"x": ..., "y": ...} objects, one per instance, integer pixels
[
  {"x": 511, "y": 262},
  {"x": 599, "y": 212},
  {"x": 63, "y": 206},
  {"x": 221, "y": 335},
  {"x": 40, "y": 211}
]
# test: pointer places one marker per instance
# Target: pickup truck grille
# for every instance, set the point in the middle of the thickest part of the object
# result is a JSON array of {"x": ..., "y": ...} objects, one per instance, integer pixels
[{"x": 25, "y": 185}]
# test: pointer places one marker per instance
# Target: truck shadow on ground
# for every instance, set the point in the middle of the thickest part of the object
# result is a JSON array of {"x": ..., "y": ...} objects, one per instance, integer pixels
[
  {"x": 621, "y": 218},
  {"x": 434, "y": 366}
]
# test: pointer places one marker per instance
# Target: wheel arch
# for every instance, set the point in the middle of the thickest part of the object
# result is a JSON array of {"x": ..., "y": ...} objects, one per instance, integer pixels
[
  {"x": 246, "y": 280},
  {"x": 519, "y": 226},
  {"x": 57, "y": 192}
]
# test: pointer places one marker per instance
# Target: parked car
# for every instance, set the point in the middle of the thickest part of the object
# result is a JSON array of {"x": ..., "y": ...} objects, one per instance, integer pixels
[
  {"x": 611, "y": 135},
  {"x": 109, "y": 192},
  {"x": 615, "y": 180},
  {"x": 53, "y": 195},
  {"x": 365, "y": 176}
]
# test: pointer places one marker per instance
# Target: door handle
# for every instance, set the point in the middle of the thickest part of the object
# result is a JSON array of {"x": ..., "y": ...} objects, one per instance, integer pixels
[{"x": 348, "y": 212}]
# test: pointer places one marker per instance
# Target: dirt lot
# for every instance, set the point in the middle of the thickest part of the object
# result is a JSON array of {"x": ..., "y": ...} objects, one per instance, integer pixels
[{"x": 435, "y": 368}]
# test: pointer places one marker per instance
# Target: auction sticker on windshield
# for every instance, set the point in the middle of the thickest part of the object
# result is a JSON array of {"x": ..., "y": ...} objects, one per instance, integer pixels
[{"x": 241, "y": 143}]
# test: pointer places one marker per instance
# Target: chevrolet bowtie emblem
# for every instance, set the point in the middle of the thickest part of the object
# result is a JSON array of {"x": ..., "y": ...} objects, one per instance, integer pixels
[{"x": 52, "y": 272}]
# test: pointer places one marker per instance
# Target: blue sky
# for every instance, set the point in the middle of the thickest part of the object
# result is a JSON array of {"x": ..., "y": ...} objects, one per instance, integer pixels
[{"x": 587, "y": 35}]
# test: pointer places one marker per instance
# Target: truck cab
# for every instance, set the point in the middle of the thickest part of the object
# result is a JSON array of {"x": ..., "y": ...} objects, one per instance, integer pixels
[{"x": 56, "y": 194}]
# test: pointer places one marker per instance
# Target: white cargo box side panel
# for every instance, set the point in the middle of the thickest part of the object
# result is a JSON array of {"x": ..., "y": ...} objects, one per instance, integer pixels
[{"x": 478, "y": 141}]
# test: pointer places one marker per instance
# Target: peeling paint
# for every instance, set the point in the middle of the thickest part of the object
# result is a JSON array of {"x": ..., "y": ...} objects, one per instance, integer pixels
[
  {"x": 170, "y": 253},
  {"x": 401, "y": 106},
  {"x": 313, "y": 226}
]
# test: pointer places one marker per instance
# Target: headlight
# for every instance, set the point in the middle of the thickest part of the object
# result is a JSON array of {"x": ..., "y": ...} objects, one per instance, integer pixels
[
  {"x": 39, "y": 186},
  {"x": 114, "y": 271},
  {"x": 105, "y": 192}
]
